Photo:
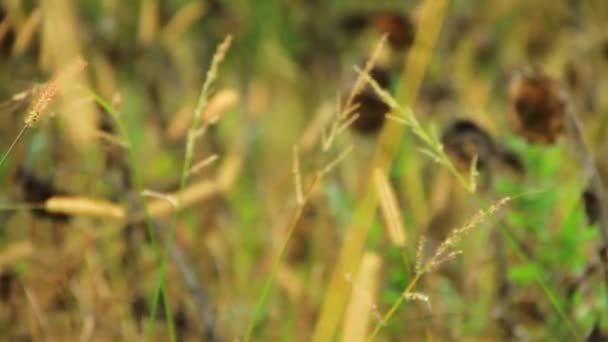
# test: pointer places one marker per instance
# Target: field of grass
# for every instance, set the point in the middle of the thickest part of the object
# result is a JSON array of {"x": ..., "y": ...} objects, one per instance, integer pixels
[{"x": 303, "y": 170}]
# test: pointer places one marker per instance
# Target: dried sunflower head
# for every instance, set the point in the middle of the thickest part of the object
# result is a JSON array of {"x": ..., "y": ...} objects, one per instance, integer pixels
[
  {"x": 370, "y": 108},
  {"x": 536, "y": 107}
]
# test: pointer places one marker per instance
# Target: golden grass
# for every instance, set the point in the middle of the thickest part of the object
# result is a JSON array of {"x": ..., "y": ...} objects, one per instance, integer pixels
[
  {"x": 361, "y": 307},
  {"x": 444, "y": 253},
  {"x": 352, "y": 248},
  {"x": 27, "y": 32},
  {"x": 393, "y": 220},
  {"x": 14, "y": 252},
  {"x": 60, "y": 45},
  {"x": 81, "y": 206}
]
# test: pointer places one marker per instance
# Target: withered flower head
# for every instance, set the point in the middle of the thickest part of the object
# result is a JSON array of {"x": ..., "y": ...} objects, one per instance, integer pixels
[
  {"x": 463, "y": 140},
  {"x": 536, "y": 107},
  {"x": 370, "y": 108},
  {"x": 592, "y": 206},
  {"x": 399, "y": 26}
]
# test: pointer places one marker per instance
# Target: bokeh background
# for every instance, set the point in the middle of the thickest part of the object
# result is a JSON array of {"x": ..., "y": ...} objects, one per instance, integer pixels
[{"x": 117, "y": 131}]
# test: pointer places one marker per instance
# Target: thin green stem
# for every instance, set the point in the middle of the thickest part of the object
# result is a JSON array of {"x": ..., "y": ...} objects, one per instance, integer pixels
[
  {"x": 13, "y": 144},
  {"x": 552, "y": 298},
  {"x": 277, "y": 261},
  {"x": 189, "y": 153},
  {"x": 139, "y": 187},
  {"x": 395, "y": 306}
]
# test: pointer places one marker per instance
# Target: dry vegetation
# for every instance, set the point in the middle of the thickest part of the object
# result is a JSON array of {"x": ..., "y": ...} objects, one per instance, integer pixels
[{"x": 303, "y": 170}]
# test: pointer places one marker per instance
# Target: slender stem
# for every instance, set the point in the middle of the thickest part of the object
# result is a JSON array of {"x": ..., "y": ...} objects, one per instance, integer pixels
[
  {"x": 539, "y": 280},
  {"x": 138, "y": 185},
  {"x": 197, "y": 122},
  {"x": 277, "y": 262},
  {"x": 588, "y": 162},
  {"x": 395, "y": 306},
  {"x": 13, "y": 144}
]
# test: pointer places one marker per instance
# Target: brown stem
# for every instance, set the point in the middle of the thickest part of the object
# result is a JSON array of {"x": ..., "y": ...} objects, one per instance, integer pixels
[{"x": 592, "y": 176}]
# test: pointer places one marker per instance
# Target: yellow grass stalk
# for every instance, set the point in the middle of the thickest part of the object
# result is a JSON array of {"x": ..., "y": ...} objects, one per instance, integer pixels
[
  {"x": 221, "y": 102},
  {"x": 27, "y": 32},
  {"x": 393, "y": 221},
  {"x": 60, "y": 44},
  {"x": 148, "y": 21},
  {"x": 183, "y": 19},
  {"x": 14, "y": 252},
  {"x": 203, "y": 164},
  {"x": 111, "y": 139},
  {"x": 361, "y": 306},
  {"x": 82, "y": 206},
  {"x": 350, "y": 254},
  {"x": 316, "y": 127},
  {"x": 288, "y": 279},
  {"x": 297, "y": 176},
  {"x": 192, "y": 194}
]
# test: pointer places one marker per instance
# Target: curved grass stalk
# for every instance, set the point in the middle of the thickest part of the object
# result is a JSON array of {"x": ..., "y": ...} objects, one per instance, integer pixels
[
  {"x": 197, "y": 122},
  {"x": 277, "y": 261},
  {"x": 139, "y": 186}
]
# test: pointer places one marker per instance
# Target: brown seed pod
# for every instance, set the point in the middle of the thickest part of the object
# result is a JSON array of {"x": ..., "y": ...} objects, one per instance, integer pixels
[
  {"x": 371, "y": 110},
  {"x": 592, "y": 206},
  {"x": 399, "y": 26},
  {"x": 536, "y": 107},
  {"x": 463, "y": 140}
]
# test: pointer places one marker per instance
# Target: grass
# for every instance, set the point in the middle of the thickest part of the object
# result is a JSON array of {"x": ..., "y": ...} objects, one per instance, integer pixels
[{"x": 279, "y": 221}]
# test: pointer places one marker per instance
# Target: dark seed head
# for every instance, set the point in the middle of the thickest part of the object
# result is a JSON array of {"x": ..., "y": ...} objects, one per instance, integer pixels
[
  {"x": 536, "y": 107},
  {"x": 37, "y": 191},
  {"x": 463, "y": 140},
  {"x": 371, "y": 110},
  {"x": 592, "y": 206},
  {"x": 399, "y": 26}
]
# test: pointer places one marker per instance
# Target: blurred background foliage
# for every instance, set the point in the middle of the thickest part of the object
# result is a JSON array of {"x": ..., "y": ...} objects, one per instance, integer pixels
[{"x": 532, "y": 271}]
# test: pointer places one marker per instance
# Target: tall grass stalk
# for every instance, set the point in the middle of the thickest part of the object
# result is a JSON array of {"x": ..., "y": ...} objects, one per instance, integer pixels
[
  {"x": 257, "y": 312},
  {"x": 136, "y": 172},
  {"x": 302, "y": 203},
  {"x": 444, "y": 252},
  {"x": 541, "y": 282},
  {"x": 431, "y": 18},
  {"x": 192, "y": 135}
]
